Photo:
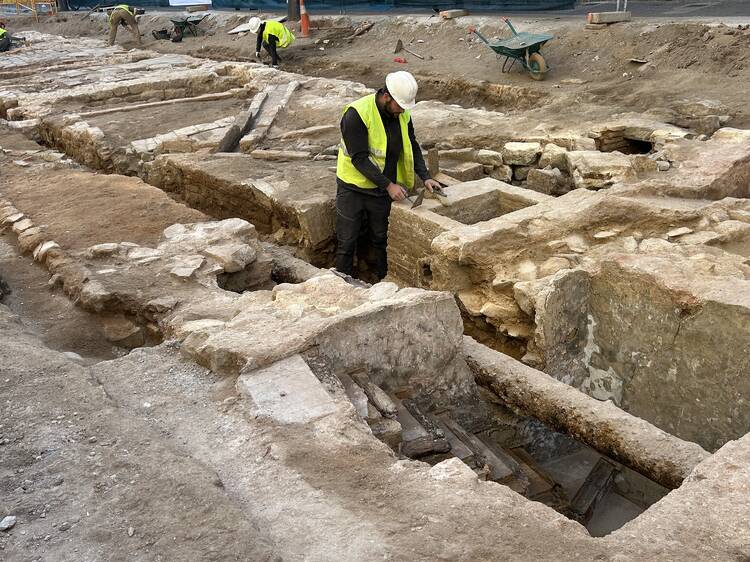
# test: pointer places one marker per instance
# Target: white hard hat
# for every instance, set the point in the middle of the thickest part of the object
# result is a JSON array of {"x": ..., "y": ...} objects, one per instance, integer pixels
[
  {"x": 254, "y": 24},
  {"x": 403, "y": 88}
]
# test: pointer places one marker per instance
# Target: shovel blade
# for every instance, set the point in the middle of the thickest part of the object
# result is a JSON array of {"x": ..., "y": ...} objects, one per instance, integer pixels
[{"x": 399, "y": 46}]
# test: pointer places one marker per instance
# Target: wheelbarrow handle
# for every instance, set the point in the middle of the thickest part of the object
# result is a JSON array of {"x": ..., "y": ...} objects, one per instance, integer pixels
[
  {"x": 507, "y": 21},
  {"x": 475, "y": 31}
]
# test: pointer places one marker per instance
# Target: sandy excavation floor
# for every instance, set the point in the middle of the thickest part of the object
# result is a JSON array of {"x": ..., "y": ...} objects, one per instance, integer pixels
[{"x": 181, "y": 377}]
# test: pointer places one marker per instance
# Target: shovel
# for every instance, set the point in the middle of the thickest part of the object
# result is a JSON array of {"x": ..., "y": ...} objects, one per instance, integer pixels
[{"x": 400, "y": 47}]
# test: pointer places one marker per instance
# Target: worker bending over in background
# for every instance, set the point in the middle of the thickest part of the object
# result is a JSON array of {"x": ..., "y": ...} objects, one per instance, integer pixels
[
  {"x": 123, "y": 15},
  {"x": 272, "y": 35},
  {"x": 378, "y": 159},
  {"x": 4, "y": 38}
]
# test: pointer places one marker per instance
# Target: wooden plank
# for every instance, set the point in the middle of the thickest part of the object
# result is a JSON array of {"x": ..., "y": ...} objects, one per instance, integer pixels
[
  {"x": 424, "y": 445},
  {"x": 458, "y": 448},
  {"x": 540, "y": 483},
  {"x": 499, "y": 471},
  {"x": 411, "y": 426},
  {"x": 376, "y": 395},
  {"x": 520, "y": 482},
  {"x": 597, "y": 484},
  {"x": 424, "y": 420},
  {"x": 356, "y": 395}
]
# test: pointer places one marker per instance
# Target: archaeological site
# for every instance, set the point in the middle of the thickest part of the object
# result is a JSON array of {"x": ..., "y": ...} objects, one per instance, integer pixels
[{"x": 555, "y": 367}]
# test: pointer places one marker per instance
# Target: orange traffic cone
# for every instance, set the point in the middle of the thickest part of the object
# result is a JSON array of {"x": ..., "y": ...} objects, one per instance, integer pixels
[{"x": 304, "y": 23}]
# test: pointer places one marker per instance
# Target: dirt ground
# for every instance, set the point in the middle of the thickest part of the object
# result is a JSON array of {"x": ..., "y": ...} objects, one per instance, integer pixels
[
  {"x": 684, "y": 60},
  {"x": 50, "y": 314},
  {"x": 80, "y": 209},
  {"x": 88, "y": 480}
]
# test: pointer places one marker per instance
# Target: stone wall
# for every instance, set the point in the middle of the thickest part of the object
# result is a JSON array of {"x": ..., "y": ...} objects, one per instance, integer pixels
[{"x": 672, "y": 355}]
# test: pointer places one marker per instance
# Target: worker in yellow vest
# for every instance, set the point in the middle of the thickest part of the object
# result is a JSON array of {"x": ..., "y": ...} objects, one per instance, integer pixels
[
  {"x": 123, "y": 15},
  {"x": 378, "y": 159},
  {"x": 272, "y": 35},
  {"x": 4, "y": 39}
]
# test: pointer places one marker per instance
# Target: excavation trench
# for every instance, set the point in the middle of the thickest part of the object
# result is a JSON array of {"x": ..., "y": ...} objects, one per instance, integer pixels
[
  {"x": 502, "y": 438},
  {"x": 504, "y": 445},
  {"x": 294, "y": 205}
]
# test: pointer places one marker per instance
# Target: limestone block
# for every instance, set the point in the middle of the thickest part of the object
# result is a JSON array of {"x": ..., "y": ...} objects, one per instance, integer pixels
[
  {"x": 521, "y": 172},
  {"x": 453, "y": 469},
  {"x": 549, "y": 181},
  {"x": 733, "y": 230},
  {"x": 728, "y": 134},
  {"x": 489, "y": 158},
  {"x": 677, "y": 232},
  {"x": 30, "y": 239},
  {"x": 700, "y": 108},
  {"x": 462, "y": 154},
  {"x": 706, "y": 125},
  {"x": 594, "y": 170},
  {"x": 287, "y": 392},
  {"x": 9, "y": 211},
  {"x": 644, "y": 164},
  {"x": 502, "y": 173},
  {"x": 122, "y": 332},
  {"x": 232, "y": 257},
  {"x": 553, "y": 265},
  {"x": 607, "y": 17},
  {"x": 521, "y": 153},
  {"x": 186, "y": 266},
  {"x": 553, "y": 156},
  {"x": 41, "y": 251},
  {"x": 104, "y": 250},
  {"x": 702, "y": 237},
  {"x": 21, "y": 225},
  {"x": 465, "y": 171}
]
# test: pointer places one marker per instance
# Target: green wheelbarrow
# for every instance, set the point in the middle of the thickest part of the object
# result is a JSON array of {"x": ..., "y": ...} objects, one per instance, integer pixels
[
  {"x": 522, "y": 47},
  {"x": 190, "y": 23}
]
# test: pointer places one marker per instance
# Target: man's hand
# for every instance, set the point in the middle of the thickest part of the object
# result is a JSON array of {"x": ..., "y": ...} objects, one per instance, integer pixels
[
  {"x": 431, "y": 184},
  {"x": 396, "y": 192}
]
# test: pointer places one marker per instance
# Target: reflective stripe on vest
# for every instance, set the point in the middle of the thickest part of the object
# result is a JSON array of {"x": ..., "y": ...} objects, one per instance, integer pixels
[
  {"x": 378, "y": 144},
  {"x": 120, "y": 7},
  {"x": 276, "y": 28}
]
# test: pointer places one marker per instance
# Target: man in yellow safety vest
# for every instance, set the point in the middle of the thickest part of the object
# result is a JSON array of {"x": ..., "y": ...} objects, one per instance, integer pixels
[
  {"x": 123, "y": 15},
  {"x": 378, "y": 158},
  {"x": 272, "y": 35}
]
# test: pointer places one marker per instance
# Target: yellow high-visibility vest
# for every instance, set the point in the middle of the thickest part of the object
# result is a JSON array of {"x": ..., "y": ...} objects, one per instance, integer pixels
[
  {"x": 120, "y": 7},
  {"x": 277, "y": 28},
  {"x": 378, "y": 144},
  {"x": 2, "y": 32}
]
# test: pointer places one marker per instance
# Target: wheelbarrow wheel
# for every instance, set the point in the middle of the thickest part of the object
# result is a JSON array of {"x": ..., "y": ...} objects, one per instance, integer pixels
[{"x": 537, "y": 66}]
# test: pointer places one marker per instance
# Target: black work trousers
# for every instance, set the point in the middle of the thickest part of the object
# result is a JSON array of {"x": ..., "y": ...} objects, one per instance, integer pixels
[
  {"x": 270, "y": 48},
  {"x": 353, "y": 210},
  {"x": 5, "y": 43}
]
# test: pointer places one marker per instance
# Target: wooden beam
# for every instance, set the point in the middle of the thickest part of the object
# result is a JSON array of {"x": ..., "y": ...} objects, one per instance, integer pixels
[{"x": 596, "y": 486}]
